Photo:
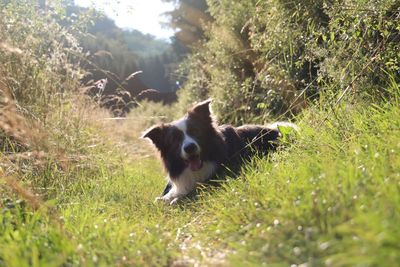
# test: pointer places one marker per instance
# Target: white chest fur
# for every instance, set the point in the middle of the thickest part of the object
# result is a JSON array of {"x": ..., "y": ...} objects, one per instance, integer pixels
[{"x": 188, "y": 180}]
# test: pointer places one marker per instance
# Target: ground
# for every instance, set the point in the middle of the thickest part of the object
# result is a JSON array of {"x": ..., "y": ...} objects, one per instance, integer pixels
[{"x": 329, "y": 197}]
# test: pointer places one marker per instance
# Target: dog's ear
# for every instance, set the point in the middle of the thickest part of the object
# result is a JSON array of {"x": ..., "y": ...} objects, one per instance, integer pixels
[
  {"x": 202, "y": 109},
  {"x": 154, "y": 133}
]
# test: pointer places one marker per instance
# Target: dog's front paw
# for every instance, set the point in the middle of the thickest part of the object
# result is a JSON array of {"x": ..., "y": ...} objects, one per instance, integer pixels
[
  {"x": 174, "y": 201},
  {"x": 168, "y": 199},
  {"x": 158, "y": 199}
]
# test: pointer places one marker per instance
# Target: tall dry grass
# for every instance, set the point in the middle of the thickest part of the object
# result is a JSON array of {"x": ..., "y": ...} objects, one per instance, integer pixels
[{"x": 52, "y": 134}]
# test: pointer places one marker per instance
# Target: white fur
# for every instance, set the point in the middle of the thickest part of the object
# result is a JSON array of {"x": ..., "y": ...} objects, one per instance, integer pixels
[
  {"x": 187, "y": 181},
  {"x": 187, "y": 139}
]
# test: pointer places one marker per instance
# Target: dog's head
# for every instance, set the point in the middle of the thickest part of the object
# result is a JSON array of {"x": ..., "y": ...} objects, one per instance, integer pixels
[{"x": 185, "y": 143}]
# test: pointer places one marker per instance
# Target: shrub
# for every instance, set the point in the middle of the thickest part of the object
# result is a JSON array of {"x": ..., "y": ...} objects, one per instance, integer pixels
[{"x": 265, "y": 58}]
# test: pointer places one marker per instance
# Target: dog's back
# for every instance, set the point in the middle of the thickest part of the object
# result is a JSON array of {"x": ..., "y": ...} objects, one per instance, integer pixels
[{"x": 241, "y": 143}]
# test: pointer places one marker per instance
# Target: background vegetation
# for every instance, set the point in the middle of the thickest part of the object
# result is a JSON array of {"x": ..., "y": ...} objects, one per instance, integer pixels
[
  {"x": 265, "y": 58},
  {"x": 77, "y": 185}
]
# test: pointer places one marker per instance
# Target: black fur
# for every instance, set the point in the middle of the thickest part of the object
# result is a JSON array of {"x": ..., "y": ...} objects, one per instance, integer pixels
[
  {"x": 226, "y": 146},
  {"x": 237, "y": 145}
]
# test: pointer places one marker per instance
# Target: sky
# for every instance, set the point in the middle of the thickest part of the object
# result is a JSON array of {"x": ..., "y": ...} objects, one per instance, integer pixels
[{"x": 143, "y": 15}]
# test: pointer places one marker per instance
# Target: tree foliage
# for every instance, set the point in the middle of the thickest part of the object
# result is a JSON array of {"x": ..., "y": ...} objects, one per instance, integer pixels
[
  {"x": 263, "y": 58},
  {"x": 189, "y": 19}
]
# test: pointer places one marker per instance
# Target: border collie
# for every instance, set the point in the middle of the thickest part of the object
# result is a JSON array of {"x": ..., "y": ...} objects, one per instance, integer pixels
[{"x": 195, "y": 149}]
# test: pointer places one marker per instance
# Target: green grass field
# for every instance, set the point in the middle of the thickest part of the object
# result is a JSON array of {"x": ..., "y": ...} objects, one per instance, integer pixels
[
  {"x": 330, "y": 198},
  {"x": 77, "y": 186}
]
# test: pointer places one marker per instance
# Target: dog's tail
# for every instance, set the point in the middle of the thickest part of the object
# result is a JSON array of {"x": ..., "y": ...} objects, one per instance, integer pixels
[{"x": 275, "y": 125}]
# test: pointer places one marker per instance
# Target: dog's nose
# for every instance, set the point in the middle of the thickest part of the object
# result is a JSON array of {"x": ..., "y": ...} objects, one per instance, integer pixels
[{"x": 190, "y": 148}]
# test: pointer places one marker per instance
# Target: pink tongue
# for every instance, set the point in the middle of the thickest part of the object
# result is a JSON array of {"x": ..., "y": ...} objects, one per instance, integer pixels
[{"x": 195, "y": 164}]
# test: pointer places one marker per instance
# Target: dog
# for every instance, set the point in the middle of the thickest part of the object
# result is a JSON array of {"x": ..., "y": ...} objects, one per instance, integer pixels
[{"x": 195, "y": 150}]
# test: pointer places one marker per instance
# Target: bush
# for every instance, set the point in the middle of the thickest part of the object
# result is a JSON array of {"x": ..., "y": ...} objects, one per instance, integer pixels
[{"x": 265, "y": 58}]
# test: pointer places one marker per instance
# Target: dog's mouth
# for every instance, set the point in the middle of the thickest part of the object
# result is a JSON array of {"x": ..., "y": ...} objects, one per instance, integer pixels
[{"x": 194, "y": 162}]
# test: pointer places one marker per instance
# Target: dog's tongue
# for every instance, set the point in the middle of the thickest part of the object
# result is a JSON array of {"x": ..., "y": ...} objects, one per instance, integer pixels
[{"x": 195, "y": 164}]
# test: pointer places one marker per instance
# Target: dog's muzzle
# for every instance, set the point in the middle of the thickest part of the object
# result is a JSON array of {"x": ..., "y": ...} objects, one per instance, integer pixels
[{"x": 192, "y": 156}]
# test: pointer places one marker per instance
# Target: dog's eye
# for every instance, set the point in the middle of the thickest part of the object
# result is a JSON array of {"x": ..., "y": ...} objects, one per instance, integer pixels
[
  {"x": 195, "y": 131},
  {"x": 174, "y": 137}
]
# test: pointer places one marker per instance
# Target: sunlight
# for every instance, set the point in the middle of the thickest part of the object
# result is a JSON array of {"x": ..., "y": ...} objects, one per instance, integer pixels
[
  {"x": 259, "y": 133},
  {"x": 145, "y": 16}
]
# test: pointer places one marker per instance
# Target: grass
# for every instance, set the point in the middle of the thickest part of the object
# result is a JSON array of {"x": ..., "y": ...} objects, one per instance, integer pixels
[{"x": 330, "y": 199}]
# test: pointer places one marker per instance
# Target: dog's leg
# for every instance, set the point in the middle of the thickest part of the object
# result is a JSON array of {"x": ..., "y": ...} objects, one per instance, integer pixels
[
  {"x": 167, "y": 189},
  {"x": 170, "y": 194},
  {"x": 179, "y": 189},
  {"x": 172, "y": 197},
  {"x": 166, "y": 194}
]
